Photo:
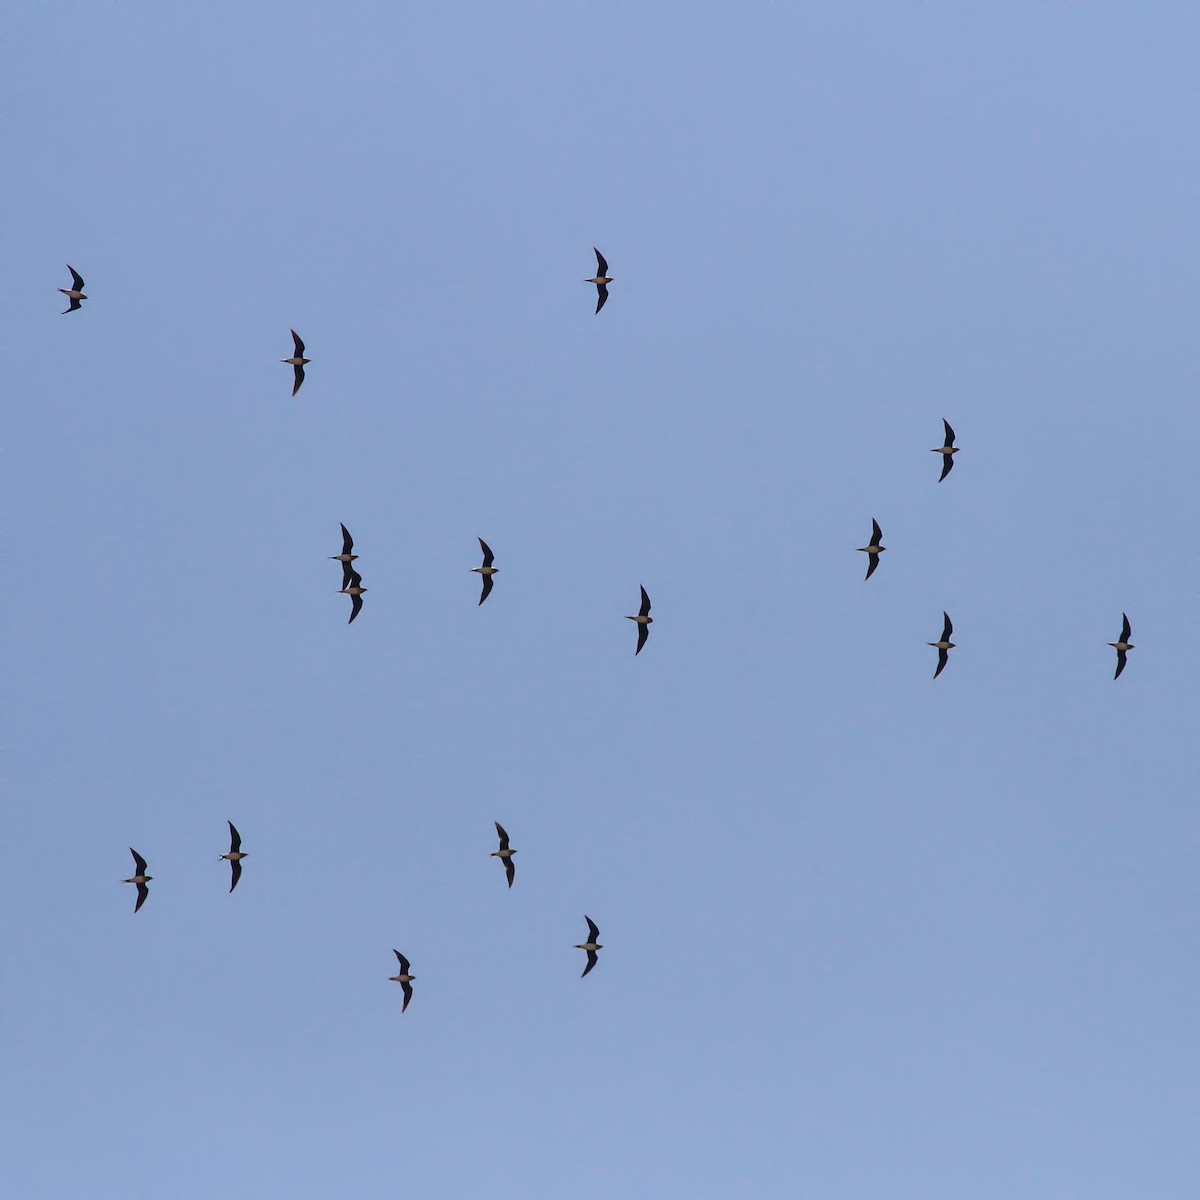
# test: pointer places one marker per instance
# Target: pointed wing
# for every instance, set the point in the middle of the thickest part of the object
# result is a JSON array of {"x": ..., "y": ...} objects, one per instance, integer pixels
[
  {"x": 407, "y": 989},
  {"x": 347, "y": 540},
  {"x": 487, "y": 589},
  {"x": 947, "y": 466},
  {"x": 876, "y": 533},
  {"x": 143, "y": 892},
  {"x": 236, "y": 871},
  {"x": 77, "y": 279},
  {"x": 1120, "y": 663},
  {"x": 348, "y": 573},
  {"x": 298, "y": 342},
  {"x": 643, "y": 634},
  {"x": 402, "y": 961},
  {"x": 872, "y": 563},
  {"x": 510, "y": 869},
  {"x": 943, "y": 659},
  {"x": 355, "y": 607},
  {"x": 488, "y": 556},
  {"x": 601, "y": 295},
  {"x": 235, "y": 838},
  {"x": 71, "y": 307},
  {"x": 138, "y": 861},
  {"x": 299, "y": 378},
  {"x": 503, "y": 836},
  {"x": 593, "y": 932},
  {"x": 601, "y": 264},
  {"x": 644, "y": 611},
  {"x": 947, "y": 628},
  {"x": 949, "y": 435},
  {"x": 593, "y": 958},
  {"x": 1125, "y": 628}
]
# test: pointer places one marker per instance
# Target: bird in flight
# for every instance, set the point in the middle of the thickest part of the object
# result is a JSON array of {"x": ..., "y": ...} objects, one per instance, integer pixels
[
  {"x": 944, "y": 645},
  {"x": 73, "y": 293},
  {"x": 505, "y": 853},
  {"x": 592, "y": 945},
  {"x": 346, "y": 557},
  {"x": 487, "y": 570},
  {"x": 140, "y": 878},
  {"x": 947, "y": 452},
  {"x": 601, "y": 279},
  {"x": 873, "y": 549},
  {"x": 354, "y": 589},
  {"x": 1123, "y": 646},
  {"x": 297, "y": 361},
  {"x": 404, "y": 979},
  {"x": 644, "y": 621},
  {"x": 235, "y": 855}
]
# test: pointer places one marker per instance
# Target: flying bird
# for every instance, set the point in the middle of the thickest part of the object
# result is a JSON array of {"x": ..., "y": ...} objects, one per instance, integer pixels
[
  {"x": 354, "y": 589},
  {"x": 73, "y": 293},
  {"x": 297, "y": 361},
  {"x": 644, "y": 621},
  {"x": 944, "y": 645},
  {"x": 140, "y": 878},
  {"x": 487, "y": 570},
  {"x": 601, "y": 279},
  {"x": 346, "y": 557},
  {"x": 404, "y": 979},
  {"x": 873, "y": 549},
  {"x": 235, "y": 855},
  {"x": 505, "y": 854},
  {"x": 591, "y": 945},
  {"x": 947, "y": 452},
  {"x": 1123, "y": 646}
]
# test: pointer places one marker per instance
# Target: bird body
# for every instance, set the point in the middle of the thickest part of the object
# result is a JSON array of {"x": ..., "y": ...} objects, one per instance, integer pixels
[
  {"x": 404, "y": 978},
  {"x": 1123, "y": 645},
  {"x": 487, "y": 570},
  {"x": 354, "y": 589},
  {"x": 74, "y": 293},
  {"x": 235, "y": 855},
  {"x": 643, "y": 621},
  {"x": 944, "y": 645},
  {"x": 346, "y": 557},
  {"x": 140, "y": 877},
  {"x": 592, "y": 945},
  {"x": 873, "y": 549},
  {"x": 947, "y": 451},
  {"x": 297, "y": 362},
  {"x": 505, "y": 853},
  {"x": 601, "y": 279}
]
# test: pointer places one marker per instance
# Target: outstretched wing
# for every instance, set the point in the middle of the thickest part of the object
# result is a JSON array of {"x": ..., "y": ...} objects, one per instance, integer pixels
[
  {"x": 593, "y": 932},
  {"x": 601, "y": 295},
  {"x": 510, "y": 869},
  {"x": 355, "y": 607},
  {"x": 299, "y": 370},
  {"x": 402, "y": 961},
  {"x": 138, "y": 861},
  {"x": 347, "y": 540},
  {"x": 949, "y": 435},
  {"x": 407, "y": 989},
  {"x": 601, "y": 264},
  {"x": 299, "y": 344},
  {"x": 947, "y": 628},
  {"x": 143, "y": 891},
  {"x": 502, "y": 835},
  {"x": 1125, "y": 628},
  {"x": 876, "y": 534},
  {"x": 488, "y": 556},
  {"x": 872, "y": 563},
  {"x": 235, "y": 838},
  {"x": 643, "y": 634},
  {"x": 487, "y": 589},
  {"x": 76, "y": 278},
  {"x": 1120, "y": 663},
  {"x": 593, "y": 958},
  {"x": 947, "y": 466},
  {"x": 644, "y": 611},
  {"x": 943, "y": 659},
  {"x": 236, "y": 865}
]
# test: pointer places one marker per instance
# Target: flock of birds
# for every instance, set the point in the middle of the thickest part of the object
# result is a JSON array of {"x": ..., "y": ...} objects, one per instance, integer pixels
[{"x": 352, "y": 586}]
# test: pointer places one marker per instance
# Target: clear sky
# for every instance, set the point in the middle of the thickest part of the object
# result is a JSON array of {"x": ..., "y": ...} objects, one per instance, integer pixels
[{"x": 868, "y": 936}]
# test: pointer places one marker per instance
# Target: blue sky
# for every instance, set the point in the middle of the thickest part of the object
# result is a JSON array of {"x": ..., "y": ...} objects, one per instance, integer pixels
[{"x": 866, "y": 935}]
